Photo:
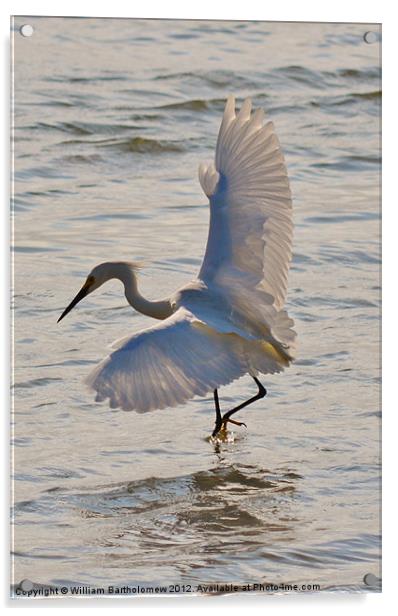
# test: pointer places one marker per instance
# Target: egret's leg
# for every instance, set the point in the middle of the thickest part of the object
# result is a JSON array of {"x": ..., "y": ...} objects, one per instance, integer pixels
[
  {"x": 260, "y": 394},
  {"x": 218, "y": 414}
]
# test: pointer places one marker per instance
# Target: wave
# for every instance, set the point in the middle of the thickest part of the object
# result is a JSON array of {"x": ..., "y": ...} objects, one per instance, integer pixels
[
  {"x": 142, "y": 145},
  {"x": 191, "y": 105},
  {"x": 85, "y": 159},
  {"x": 351, "y": 98},
  {"x": 84, "y": 129},
  {"x": 91, "y": 79},
  {"x": 215, "y": 78}
]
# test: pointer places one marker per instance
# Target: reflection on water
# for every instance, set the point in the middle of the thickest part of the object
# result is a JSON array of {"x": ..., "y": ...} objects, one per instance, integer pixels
[
  {"x": 108, "y": 138},
  {"x": 226, "y": 512},
  {"x": 228, "y": 524}
]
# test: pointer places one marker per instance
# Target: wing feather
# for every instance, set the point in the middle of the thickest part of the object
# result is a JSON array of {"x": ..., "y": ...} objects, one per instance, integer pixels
[
  {"x": 167, "y": 364},
  {"x": 249, "y": 246}
]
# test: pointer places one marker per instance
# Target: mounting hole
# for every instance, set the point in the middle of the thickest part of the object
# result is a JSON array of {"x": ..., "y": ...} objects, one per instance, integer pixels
[
  {"x": 371, "y": 580},
  {"x": 26, "y": 30},
  {"x": 370, "y": 37},
  {"x": 26, "y": 585}
]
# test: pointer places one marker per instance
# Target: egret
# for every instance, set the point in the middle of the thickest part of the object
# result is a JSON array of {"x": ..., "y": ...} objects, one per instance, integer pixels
[{"x": 230, "y": 320}]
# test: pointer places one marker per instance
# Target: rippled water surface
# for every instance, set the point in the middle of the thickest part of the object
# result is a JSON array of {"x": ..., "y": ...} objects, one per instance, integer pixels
[{"x": 112, "y": 118}]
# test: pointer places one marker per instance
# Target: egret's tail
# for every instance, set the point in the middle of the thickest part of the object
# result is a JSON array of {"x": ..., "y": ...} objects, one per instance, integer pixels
[
  {"x": 278, "y": 350},
  {"x": 262, "y": 356},
  {"x": 285, "y": 336}
]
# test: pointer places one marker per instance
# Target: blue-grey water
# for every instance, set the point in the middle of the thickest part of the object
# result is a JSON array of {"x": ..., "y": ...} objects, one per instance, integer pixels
[{"x": 112, "y": 118}]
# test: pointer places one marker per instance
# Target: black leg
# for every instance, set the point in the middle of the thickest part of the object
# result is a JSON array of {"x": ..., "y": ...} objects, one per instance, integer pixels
[
  {"x": 218, "y": 414},
  {"x": 261, "y": 393}
]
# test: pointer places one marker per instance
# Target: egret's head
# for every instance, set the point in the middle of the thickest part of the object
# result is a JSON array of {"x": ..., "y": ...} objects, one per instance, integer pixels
[
  {"x": 89, "y": 286},
  {"x": 100, "y": 274}
]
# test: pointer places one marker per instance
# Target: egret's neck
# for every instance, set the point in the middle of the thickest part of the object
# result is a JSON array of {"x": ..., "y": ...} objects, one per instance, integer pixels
[{"x": 160, "y": 309}]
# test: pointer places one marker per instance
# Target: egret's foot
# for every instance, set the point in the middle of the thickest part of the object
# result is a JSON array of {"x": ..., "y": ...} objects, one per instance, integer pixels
[
  {"x": 218, "y": 428},
  {"x": 233, "y": 421},
  {"x": 220, "y": 431},
  {"x": 222, "y": 436}
]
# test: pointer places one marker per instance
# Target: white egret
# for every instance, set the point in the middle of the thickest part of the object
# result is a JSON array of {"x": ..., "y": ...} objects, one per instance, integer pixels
[{"x": 230, "y": 320}]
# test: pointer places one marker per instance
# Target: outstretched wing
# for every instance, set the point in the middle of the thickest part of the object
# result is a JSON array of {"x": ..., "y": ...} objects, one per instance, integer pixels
[
  {"x": 249, "y": 246},
  {"x": 167, "y": 364}
]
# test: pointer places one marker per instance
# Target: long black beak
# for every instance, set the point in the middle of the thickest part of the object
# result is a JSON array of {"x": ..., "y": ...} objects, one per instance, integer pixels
[{"x": 82, "y": 293}]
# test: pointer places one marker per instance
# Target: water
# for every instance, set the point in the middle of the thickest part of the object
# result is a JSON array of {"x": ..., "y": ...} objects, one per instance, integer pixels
[{"x": 112, "y": 118}]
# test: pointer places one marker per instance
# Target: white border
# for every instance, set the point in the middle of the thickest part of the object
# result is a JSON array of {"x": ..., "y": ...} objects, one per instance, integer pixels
[
  {"x": 366, "y": 12},
  {"x": 305, "y": 10}
]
